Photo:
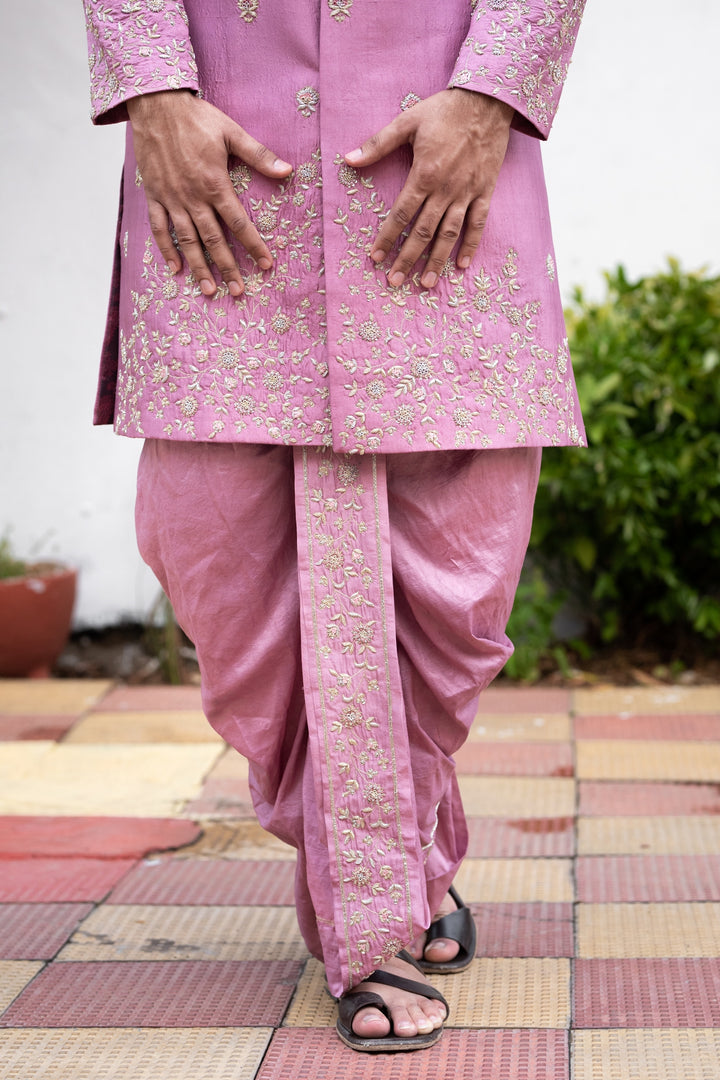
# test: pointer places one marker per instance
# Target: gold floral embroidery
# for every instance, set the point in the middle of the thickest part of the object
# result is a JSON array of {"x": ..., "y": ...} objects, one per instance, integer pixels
[
  {"x": 199, "y": 368},
  {"x": 525, "y": 45},
  {"x": 409, "y": 100},
  {"x": 307, "y": 100},
  {"x": 248, "y": 9},
  {"x": 358, "y": 730},
  {"x": 143, "y": 49},
  {"x": 340, "y": 9},
  {"x": 466, "y": 366}
]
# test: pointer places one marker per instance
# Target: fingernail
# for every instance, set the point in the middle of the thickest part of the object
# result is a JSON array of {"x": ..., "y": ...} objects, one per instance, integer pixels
[
  {"x": 354, "y": 156},
  {"x": 234, "y": 288},
  {"x": 264, "y": 262},
  {"x": 464, "y": 262},
  {"x": 377, "y": 255},
  {"x": 396, "y": 279},
  {"x": 173, "y": 267},
  {"x": 280, "y": 164},
  {"x": 208, "y": 287},
  {"x": 430, "y": 279}
]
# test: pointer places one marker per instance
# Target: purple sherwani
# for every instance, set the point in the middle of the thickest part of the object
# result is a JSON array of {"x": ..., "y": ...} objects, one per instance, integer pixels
[
  {"x": 321, "y": 350},
  {"x": 347, "y": 611}
]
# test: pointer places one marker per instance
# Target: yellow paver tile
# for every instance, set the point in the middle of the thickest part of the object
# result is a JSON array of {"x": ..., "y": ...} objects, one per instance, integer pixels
[
  {"x": 508, "y": 993},
  {"x": 131, "y": 781},
  {"x": 641, "y": 1054},
  {"x": 14, "y": 977},
  {"x": 691, "y": 835},
  {"x": 173, "y": 932},
  {"x": 517, "y": 796},
  {"x": 231, "y": 766},
  {"x": 143, "y": 727},
  {"x": 521, "y": 727},
  {"x": 237, "y": 840},
  {"x": 516, "y": 881},
  {"x": 133, "y": 1053},
  {"x": 648, "y": 930},
  {"x": 311, "y": 1005},
  {"x": 48, "y": 697},
  {"x": 646, "y": 700},
  {"x": 620, "y": 759},
  {"x": 491, "y": 993}
]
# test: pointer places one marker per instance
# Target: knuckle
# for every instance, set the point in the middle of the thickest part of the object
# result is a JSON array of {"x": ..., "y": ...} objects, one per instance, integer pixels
[
  {"x": 185, "y": 237},
  {"x": 400, "y": 216},
  {"x": 424, "y": 233},
  {"x": 261, "y": 154},
  {"x": 213, "y": 240},
  {"x": 449, "y": 233},
  {"x": 239, "y": 225}
]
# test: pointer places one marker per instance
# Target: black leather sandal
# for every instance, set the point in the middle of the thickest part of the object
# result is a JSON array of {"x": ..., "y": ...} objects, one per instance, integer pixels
[
  {"x": 350, "y": 1004},
  {"x": 457, "y": 926}
]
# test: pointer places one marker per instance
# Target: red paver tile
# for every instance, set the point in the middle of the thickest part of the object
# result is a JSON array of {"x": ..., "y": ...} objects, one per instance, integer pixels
[
  {"x": 648, "y": 878},
  {"x": 92, "y": 837},
  {"x": 704, "y": 727},
  {"x": 523, "y": 699},
  {"x": 526, "y": 930},
  {"x": 656, "y": 993},
  {"x": 222, "y": 796},
  {"x": 318, "y": 1054},
  {"x": 59, "y": 880},
  {"x": 627, "y": 799},
  {"x": 492, "y": 838},
  {"x": 160, "y": 993},
  {"x": 515, "y": 759},
  {"x": 37, "y": 931},
  {"x": 149, "y": 698},
  {"x": 206, "y": 882},
  {"x": 51, "y": 728}
]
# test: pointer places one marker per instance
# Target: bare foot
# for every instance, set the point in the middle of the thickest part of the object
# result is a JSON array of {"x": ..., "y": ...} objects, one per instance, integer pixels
[
  {"x": 411, "y": 1014},
  {"x": 441, "y": 950}
]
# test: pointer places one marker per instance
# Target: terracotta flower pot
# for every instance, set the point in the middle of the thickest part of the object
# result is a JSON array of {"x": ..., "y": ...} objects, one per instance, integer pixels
[{"x": 35, "y": 616}]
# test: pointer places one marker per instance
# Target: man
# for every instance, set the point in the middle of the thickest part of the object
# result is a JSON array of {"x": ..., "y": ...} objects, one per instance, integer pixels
[{"x": 344, "y": 361}]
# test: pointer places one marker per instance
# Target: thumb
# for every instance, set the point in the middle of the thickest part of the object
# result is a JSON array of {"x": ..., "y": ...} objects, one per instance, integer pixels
[
  {"x": 254, "y": 153},
  {"x": 378, "y": 146}
]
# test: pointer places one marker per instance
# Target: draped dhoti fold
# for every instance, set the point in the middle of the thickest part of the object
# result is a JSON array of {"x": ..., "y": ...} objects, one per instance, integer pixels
[{"x": 347, "y": 612}]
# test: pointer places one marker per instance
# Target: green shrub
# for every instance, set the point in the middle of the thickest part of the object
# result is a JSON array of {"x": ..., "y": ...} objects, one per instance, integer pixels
[{"x": 632, "y": 523}]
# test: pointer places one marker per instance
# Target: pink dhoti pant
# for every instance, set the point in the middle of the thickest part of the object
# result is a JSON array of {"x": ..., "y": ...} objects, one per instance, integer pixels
[{"x": 347, "y": 613}]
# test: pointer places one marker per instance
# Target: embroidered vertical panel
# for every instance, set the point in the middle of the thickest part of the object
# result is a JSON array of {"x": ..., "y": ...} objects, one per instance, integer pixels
[{"x": 355, "y": 711}]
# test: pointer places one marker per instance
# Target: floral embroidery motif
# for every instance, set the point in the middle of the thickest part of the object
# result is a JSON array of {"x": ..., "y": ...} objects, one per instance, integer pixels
[
  {"x": 307, "y": 100},
  {"x": 359, "y": 714},
  {"x": 265, "y": 372},
  {"x": 144, "y": 49},
  {"x": 409, "y": 100},
  {"x": 467, "y": 366},
  {"x": 248, "y": 9},
  {"x": 523, "y": 46},
  {"x": 340, "y": 9}
]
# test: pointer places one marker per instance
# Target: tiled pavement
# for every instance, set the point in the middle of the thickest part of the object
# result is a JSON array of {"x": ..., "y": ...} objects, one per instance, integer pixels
[{"x": 147, "y": 927}]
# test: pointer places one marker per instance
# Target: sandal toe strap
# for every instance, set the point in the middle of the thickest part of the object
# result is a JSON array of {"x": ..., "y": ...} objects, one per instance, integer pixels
[{"x": 456, "y": 926}]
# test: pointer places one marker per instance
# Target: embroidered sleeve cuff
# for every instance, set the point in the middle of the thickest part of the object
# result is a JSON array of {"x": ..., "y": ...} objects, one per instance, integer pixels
[
  {"x": 136, "y": 48},
  {"x": 520, "y": 53}
]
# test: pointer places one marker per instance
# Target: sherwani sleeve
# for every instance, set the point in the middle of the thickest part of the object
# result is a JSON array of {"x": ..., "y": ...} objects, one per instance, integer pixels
[
  {"x": 519, "y": 52},
  {"x": 136, "y": 47}
]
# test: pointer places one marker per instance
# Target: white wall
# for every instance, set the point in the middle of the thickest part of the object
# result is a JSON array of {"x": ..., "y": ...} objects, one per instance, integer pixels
[{"x": 633, "y": 169}]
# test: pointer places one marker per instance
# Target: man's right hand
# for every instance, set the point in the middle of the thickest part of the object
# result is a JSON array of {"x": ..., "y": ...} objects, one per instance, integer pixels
[{"x": 182, "y": 145}]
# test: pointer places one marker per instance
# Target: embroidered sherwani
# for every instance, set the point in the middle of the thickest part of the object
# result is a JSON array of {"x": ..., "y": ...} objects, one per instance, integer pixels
[{"x": 321, "y": 355}]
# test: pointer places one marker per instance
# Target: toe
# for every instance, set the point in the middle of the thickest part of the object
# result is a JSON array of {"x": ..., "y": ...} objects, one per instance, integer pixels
[
  {"x": 371, "y": 1024},
  {"x": 441, "y": 950},
  {"x": 404, "y": 1022}
]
